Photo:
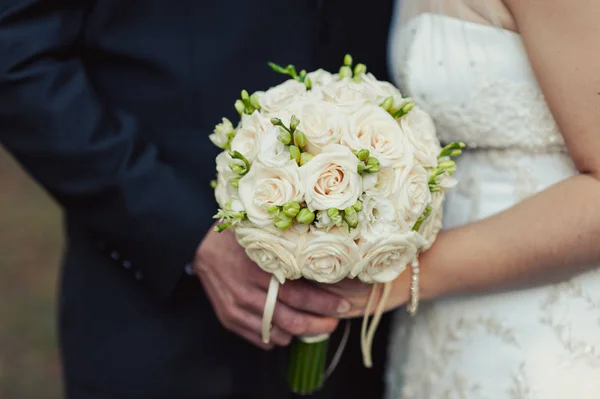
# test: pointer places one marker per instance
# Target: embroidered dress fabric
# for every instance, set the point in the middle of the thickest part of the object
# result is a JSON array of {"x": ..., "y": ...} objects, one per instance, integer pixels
[{"x": 473, "y": 76}]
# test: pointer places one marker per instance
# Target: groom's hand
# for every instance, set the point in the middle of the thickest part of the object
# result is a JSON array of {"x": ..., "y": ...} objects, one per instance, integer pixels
[{"x": 237, "y": 289}]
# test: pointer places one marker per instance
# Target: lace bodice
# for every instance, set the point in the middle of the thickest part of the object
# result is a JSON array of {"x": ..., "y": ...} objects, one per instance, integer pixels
[
  {"x": 481, "y": 91},
  {"x": 534, "y": 343}
]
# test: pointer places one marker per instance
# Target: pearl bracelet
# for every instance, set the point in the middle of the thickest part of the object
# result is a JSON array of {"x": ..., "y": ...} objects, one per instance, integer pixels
[{"x": 414, "y": 288}]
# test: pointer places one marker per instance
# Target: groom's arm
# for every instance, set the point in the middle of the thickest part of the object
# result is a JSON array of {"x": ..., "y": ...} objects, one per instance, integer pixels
[{"x": 92, "y": 159}]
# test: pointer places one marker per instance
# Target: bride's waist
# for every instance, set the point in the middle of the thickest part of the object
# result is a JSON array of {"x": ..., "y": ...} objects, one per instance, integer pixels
[{"x": 490, "y": 181}]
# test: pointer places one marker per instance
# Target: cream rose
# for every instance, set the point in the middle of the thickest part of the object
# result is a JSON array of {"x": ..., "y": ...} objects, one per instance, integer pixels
[
  {"x": 280, "y": 96},
  {"x": 331, "y": 179},
  {"x": 420, "y": 130},
  {"x": 322, "y": 123},
  {"x": 413, "y": 195},
  {"x": 372, "y": 128},
  {"x": 224, "y": 192},
  {"x": 433, "y": 224},
  {"x": 328, "y": 257},
  {"x": 384, "y": 182},
  {"x": 264, "y": 187},
  {"x": 378, "y": 216},
  {"x": 247, "y": 138},
  {"x": 385, "y": 257},
  {"x": 320, "y": 77},
  {"x": 345, "y": 94},
  {"x": 275, "y": 253},
  {"x": 377, "y": 91}
]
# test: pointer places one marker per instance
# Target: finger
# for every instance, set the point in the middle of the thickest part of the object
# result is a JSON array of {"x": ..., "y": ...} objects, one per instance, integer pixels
[
  {"x": 298, "y": 323},
  {"x": 302, "y": 295},
  {"x": 349, "y": 286},
  {"x": 252, "y": 337}
]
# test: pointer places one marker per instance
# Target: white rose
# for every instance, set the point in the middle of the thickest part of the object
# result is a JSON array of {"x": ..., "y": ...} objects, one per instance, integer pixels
[
  {"x": 278, "y": 97},
  {"x": 223, "y": 132},
  {"x": 328, "y": 257},
  {"x": 247, "y": 138},
  {"x": 377, "y": 91},
  {"x": 272, "y": 152},
  {"x": 420, "y": 130},
  {"x": 320, "y": 77},
  {"x": 264, "y": 187},
  {"x": 433, "y": 224},
  {"x": 331, "y": 179},
  {"x": 385, "y": 257},
  {"x": 224, "y": 192},
  {"x": 322, "y": 123},
  {"x": 275, "y": 253},
  {"x": 372, "y": 128},
  {"x": 413, "y": 195},
  {"x": 346, "y": 94}
]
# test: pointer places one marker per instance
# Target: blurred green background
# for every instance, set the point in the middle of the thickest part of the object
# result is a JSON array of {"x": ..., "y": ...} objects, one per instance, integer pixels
[{"x": 31, "y": 243}]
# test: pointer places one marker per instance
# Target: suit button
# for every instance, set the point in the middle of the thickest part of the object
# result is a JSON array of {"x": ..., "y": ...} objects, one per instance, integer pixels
[
  {"x": 115, "y": 255},
  {"x": 127, "y": 264}
]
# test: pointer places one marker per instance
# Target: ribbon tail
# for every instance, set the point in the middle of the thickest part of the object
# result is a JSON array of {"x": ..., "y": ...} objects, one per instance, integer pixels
[{"x": 269, "y": 309}]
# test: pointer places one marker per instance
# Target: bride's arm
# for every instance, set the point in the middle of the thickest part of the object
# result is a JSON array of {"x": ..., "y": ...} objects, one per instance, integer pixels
[{"x": 556, "y": 233}]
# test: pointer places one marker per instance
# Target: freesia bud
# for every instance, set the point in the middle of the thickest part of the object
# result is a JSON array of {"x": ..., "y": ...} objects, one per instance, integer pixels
[
  {"x": 294, "y": 122},
  {"x": 222, "y": 227},
  {"x": 360, "y": 69},
  {"x": 388, "y": 103},
  {"x": 238, "y": 166},
  {"x": 308, "y": 83},
  {"x": 305, "y": 157},
  {"x": 358, "y": 206},
  {"x": 372, "y": 165},
  {"x": 351, "y": 217},
  {"x": 345, "y": 72},
  {"x": 335, "y": 216},
  {"x": 273, "y": 210},
  {"x": 245, "y": 96},
  {"x": 361, "y": 167},
  {"x": 347, "y": 60},
  {"x": 240, "y": 107},
  {"x": 213, "y": 184},
  {"x": 294, "y": 153},
  {"x": 254, "y": 102},
  {"x": 283, "y": 222},
  {"x": 235, "y": 182},
  {"x": 276, "y": 121},
  {"x": 363, "y": 155},
  {"x": 284, "y": 136},
  {"x": 291, "y": 208},
  {"x": 406, "y": 108},
  {"x": 305, "y": 216},
  {"x": 299, "y": 139}
]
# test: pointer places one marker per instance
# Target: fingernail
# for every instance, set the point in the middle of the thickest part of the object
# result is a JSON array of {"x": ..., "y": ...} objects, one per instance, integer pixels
[{"x": 343, "y": 307}]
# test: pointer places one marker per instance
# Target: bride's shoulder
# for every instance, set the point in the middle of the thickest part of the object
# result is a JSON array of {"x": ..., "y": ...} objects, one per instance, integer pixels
[{"x": 494, "y": 12}]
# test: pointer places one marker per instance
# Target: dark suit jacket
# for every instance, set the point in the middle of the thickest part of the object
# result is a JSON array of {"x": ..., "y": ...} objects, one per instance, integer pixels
[{"x": 108, "y": 104}]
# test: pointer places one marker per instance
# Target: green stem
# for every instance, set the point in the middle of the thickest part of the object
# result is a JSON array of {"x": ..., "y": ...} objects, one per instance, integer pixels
[{"x": 307, "y": 366}]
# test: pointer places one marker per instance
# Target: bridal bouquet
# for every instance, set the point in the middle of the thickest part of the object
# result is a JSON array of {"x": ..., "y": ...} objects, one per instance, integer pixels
[{"x": 327, "y": 177}]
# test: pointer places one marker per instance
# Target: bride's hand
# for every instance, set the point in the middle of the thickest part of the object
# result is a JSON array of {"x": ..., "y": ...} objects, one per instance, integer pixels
[{"x": 357, "y": 293}]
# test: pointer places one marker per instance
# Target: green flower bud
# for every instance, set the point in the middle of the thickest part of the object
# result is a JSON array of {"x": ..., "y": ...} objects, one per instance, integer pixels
[
  {"x": 363, "y": 155},
  {"x": 302, "y": 75},
  {"x": 291, "y": 209},
  {"x": 305, "y": 216},
  {"x": 283, "y": 222},
  {"x": 240, "y": 107},
  {"x": 305, "y": 157},
  {"x": 308, "y": 83},
  {"x": 294, "y": 122},
  {"x": 284, "y": 136},
  {"x": 335, "y": 216},
  {"x": 347, "y": 60},
  {"x": 300, "y": 139},
  {"x": 361, "y": 167},
  {"x": 254, "y": 102},
  {"x": 276, "y": 121},
  {"x": 358, "y": 206},
  {"x": 238, "y": 166},
  {"x": 245, "y": 97},
  {"x": 406, "y": 108},
  {"x": 235, "y": 182},
  {"x": 222, "y": 227},
  {"x": 359, "y": 69},
  {"x": 455, "y": 153},
  {"x": 273, "y": 210},
  {"x": 294, "y": 153},
  {"x": 351, "y": 217},
  {"x": 213, "y": 184},
  {"x": 388, "y": 103},
  {"x": 372, "y": 165},
  {"x": 345, "y": 72},
  {"x": 447, "y": 166}
]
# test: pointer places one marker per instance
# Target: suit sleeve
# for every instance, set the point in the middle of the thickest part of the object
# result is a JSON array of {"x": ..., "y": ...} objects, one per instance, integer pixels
[{"x": 92, "y": 159}]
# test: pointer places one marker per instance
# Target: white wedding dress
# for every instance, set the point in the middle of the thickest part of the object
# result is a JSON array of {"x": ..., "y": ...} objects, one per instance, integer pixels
[{"x": 544, "y": 342}]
